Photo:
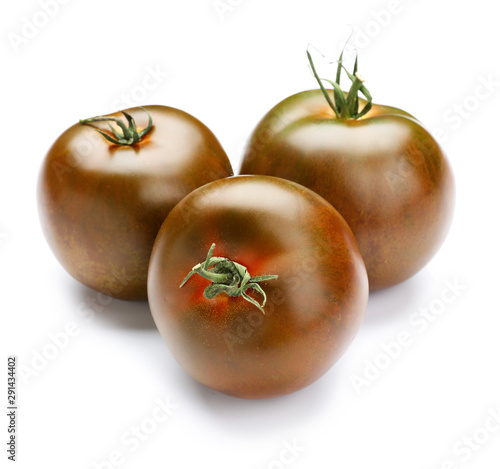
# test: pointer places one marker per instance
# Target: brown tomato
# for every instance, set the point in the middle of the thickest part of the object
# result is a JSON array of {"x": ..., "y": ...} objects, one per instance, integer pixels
[
  {"x": 101, "y": 203},
  {"x": 261, "y": 226}
]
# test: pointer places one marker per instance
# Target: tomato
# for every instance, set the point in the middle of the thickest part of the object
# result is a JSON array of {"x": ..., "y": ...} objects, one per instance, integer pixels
[
  {"x": 101, "y": 203},
  {"x": 303, "y": 258},
  {"x": 377, "y": 165}
]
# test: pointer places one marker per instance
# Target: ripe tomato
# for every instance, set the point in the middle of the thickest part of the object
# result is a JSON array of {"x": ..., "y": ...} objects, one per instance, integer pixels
[
  {"x": 377, "y": 165},
  {"x": 101, "y": 203},
  {"x": 261, "y": 227}
]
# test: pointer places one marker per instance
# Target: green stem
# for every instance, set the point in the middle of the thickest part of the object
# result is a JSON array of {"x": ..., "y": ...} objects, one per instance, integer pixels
[
  {"x": 228, "y": 277},
  {"x": 212, "y": 276},
  {"x": 344, "y": 105},
  {"x": 129, "y": 135}
]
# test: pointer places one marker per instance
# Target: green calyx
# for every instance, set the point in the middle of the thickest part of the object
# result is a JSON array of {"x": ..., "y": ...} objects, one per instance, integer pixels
[
  {"x": 228, "y": 277},
  {"x": 344, "y": 107},
  {"x": 129, "y": 135}
]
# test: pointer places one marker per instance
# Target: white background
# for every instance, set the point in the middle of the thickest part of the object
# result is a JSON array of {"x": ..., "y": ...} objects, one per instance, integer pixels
[{"x": 432, "y": 405}]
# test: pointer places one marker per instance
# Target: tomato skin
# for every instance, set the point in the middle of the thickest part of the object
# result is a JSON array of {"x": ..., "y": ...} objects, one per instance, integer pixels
[
  {"x": 384, "y": 173},
  {"x": 314, "y": 308},
  {"x": 101, "y": 205}
]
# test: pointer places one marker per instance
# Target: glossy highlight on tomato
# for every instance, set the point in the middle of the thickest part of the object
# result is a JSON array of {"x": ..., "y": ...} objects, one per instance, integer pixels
[
  {"x": 317, "y": 289},
  {"x": 378, "y": 166},
  {"x": 101, "y": 203}
]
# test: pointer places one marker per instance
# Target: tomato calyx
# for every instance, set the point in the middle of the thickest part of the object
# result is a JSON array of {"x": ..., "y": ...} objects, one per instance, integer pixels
[
  {"x": 129, "y": 135},
  {"x": 344, "y": 105},
  {"x": 229, "y": 277}
]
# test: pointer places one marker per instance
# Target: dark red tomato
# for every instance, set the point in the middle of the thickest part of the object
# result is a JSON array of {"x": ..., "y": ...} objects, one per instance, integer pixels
[
  {"x": 101, "y": 203},
  {"x": 382, "y": 170},
  {"x": 265, "y": 226}
]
